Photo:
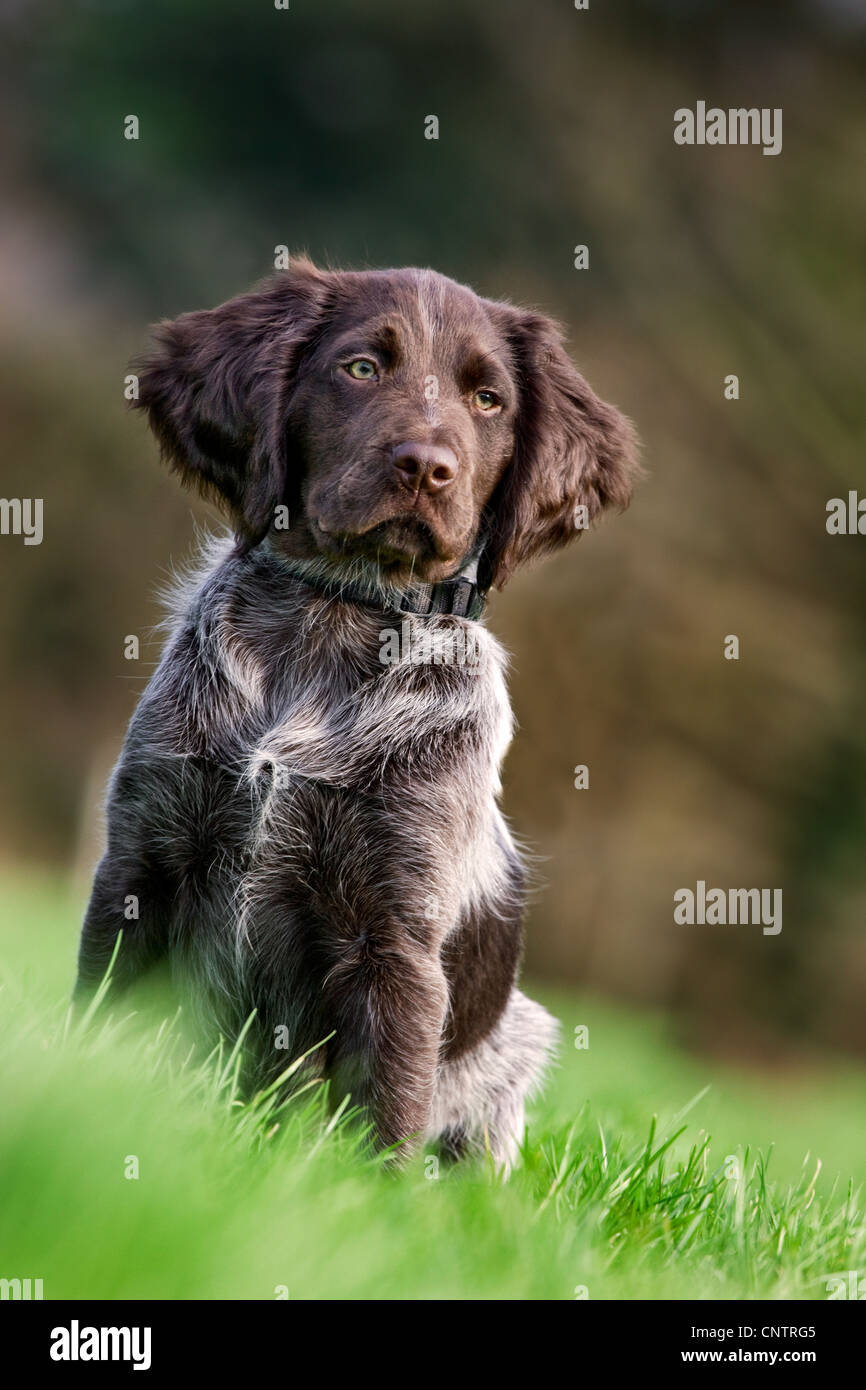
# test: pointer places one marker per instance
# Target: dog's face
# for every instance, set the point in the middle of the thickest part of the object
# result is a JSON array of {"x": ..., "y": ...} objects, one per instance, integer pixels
[
  {"x": 403, "y": 416},
  {"x": 398, "y": 417}
]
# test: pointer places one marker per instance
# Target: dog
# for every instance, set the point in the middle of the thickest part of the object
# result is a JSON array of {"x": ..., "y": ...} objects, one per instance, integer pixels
[{"x": 310, "y": 834}]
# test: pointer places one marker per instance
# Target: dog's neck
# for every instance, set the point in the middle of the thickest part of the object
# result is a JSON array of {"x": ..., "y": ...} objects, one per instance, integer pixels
[{"x": 360, "y": 581}]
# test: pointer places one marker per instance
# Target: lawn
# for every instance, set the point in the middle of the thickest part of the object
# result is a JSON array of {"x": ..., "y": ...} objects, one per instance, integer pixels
[{"x": 128, "y": 1171}]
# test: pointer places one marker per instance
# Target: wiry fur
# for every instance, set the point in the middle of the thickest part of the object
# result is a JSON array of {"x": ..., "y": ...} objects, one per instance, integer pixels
[{"x": 310, "y": 833}]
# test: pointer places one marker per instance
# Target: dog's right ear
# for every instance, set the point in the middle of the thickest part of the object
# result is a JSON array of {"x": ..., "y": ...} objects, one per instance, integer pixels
[{"x": 216, "y": 386}]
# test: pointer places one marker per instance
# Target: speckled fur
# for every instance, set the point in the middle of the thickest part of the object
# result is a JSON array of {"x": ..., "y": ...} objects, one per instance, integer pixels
[{"x": 312, "y": 834}]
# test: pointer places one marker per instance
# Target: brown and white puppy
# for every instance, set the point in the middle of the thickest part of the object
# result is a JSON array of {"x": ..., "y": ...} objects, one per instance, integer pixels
[{"x": 309, "y": 826}]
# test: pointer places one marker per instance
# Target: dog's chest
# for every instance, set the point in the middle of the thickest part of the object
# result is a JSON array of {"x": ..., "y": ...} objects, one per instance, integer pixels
[
  {"x": 390, "y": 778},
  {"x": 431, "y": 705}
]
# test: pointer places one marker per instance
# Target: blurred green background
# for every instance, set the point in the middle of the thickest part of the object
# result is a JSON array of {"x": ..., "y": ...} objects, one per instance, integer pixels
[{"x": 305, "y": 127}]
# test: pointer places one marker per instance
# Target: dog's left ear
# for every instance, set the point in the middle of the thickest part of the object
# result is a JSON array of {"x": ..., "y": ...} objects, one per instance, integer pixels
[
  {"x": 216, "y": 390},
  {"x": 574, "y": 455}
]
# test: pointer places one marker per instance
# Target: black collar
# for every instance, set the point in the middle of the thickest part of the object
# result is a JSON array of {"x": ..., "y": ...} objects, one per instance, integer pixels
[{"x": 460, "y": 596}]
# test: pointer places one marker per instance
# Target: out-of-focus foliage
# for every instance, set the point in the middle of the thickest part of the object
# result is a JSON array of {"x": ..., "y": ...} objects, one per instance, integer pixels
[{"x": 306, "y": 127}]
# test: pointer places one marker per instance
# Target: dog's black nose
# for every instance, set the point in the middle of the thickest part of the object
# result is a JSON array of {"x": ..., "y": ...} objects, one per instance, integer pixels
[{"x": 429, "y": 467}]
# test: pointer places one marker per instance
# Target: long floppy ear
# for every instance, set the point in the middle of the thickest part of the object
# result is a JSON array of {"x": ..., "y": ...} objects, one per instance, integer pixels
[
  {"x": 574, "y": 455},
  {"x": 216, "y": 387}
]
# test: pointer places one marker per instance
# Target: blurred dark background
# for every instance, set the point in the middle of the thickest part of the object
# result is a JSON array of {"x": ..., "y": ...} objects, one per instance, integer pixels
[{"x": 305, "y": 127}]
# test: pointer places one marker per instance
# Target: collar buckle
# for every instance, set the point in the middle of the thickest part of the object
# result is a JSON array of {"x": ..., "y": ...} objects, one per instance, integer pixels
[{"x": 462, "y": 592}]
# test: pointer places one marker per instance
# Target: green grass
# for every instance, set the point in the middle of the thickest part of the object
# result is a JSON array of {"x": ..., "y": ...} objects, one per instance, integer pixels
[{"x": 637, "y": 1181}]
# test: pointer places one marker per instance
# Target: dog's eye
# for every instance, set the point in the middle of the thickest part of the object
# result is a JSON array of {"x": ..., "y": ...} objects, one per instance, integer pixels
[
  {"x": 362, "y": 369},
  {"x": 486, "y": 401}
]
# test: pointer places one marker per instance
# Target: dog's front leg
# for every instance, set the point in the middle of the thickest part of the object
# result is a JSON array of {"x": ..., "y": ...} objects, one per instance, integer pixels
[
  {"x": 130, "y": 897},
  {"x": 388, "y": 999}
]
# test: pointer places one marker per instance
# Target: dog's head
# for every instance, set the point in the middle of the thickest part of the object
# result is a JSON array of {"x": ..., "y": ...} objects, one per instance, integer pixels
[{"x": 397, "y": 415}]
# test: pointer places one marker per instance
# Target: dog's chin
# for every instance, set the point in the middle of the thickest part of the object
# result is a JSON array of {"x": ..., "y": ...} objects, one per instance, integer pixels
[{"x": 402, "y": 546}]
